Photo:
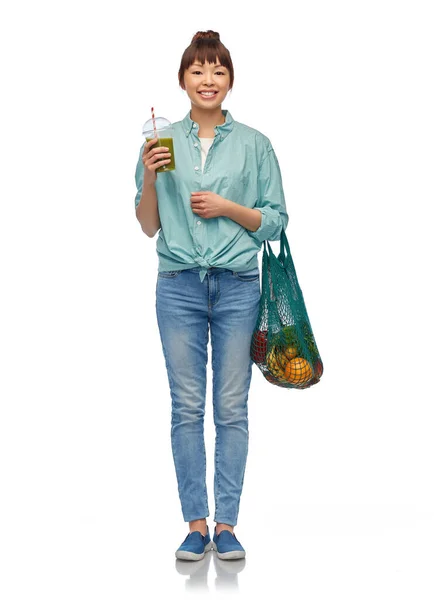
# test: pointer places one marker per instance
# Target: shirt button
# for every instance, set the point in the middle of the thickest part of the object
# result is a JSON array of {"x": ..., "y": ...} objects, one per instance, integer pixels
[
  {"x": 198, "y": 222},
  {"x": 196, "y": 168},
  {"x": 195, "y": 145},
  {"x": 194, "y": 125}
]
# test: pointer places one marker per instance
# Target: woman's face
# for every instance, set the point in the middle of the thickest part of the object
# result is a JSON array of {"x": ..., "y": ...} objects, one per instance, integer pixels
[{"x": 198, "y": 78}]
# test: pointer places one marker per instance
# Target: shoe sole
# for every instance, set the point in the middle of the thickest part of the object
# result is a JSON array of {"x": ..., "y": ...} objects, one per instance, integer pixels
[
  {"x": 229, "y": 555},
  {"x": 186, "y": 555}
]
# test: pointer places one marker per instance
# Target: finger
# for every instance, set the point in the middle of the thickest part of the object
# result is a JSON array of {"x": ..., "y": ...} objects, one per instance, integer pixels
[
  {"x": 159, "y": 155},
  {"x": 156, "y": 164},
  {"x": 158, "y": 159},
  {"x": 147, "y": 148},
  {"x": 159, "y": 149},
  {"x": 149, "y": 144}
]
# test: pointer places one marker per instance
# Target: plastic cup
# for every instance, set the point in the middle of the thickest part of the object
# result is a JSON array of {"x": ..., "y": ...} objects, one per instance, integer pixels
[{"x": 165, "y": 138}]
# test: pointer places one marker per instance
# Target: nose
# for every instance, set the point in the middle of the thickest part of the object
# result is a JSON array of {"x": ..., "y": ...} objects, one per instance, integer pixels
[{"x": 209, "y": 79}]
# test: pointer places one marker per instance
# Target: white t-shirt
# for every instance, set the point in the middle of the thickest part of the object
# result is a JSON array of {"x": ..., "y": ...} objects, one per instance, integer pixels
[{"x": 205, "y": 144}]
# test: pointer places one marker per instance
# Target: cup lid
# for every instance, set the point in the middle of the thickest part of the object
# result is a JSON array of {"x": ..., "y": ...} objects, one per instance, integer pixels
[{"x": 160, "y": 124}]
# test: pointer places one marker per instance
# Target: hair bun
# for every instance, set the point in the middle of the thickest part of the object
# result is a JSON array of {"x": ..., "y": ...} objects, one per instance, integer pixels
[{"x": 206, "y": 35}]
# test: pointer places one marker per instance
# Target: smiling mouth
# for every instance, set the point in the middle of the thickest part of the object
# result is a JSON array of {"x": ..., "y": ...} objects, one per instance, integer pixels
[{"x": 207, "y": 95}]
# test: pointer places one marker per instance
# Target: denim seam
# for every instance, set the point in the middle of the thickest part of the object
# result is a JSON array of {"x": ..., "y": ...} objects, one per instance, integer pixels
[
  {"x": 217, "y": 296},
  {"x": 203, "y": 423},
  {"x": 247, "y": 279},
  {"x": 216, "y": 474}
]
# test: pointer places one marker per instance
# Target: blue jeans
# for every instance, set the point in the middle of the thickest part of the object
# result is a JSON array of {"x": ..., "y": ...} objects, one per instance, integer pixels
[{"x": 227, "y": 303}]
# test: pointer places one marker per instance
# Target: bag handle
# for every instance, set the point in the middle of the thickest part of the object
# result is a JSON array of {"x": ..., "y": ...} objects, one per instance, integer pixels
[{"x": 284, "y": 245}]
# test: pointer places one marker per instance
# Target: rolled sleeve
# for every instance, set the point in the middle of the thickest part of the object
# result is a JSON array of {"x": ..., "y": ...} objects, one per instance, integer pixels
[
  {"x": 140, "y": 170},
  {"x": 271, "y": 202}
]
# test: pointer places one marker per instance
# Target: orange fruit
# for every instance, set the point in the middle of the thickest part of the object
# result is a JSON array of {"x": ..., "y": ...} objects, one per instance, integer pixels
[
  {"x": 290, "y": 352},
  {"x": 298, "y": 370}
]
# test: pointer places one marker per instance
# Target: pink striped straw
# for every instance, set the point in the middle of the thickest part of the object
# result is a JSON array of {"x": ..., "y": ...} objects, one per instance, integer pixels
[{"x": 153, "y": 119}]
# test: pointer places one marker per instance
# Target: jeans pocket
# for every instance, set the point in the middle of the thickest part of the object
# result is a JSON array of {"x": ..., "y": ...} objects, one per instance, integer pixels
[
  {"x": 168, "y": 274},
  {"x": 252, "y": 275}
]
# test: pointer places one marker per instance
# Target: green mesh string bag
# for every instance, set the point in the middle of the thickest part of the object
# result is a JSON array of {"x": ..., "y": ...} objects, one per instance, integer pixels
[{"x": 283, "y": 345}]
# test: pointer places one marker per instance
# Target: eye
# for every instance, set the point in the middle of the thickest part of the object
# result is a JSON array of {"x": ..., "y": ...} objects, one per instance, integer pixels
[{"x": 194, "y": 72}]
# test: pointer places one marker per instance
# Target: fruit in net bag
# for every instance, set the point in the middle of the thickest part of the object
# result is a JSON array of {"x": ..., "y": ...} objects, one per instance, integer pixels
[
  {"x": 318, "y": 369},
  {"x": 292, "y": 359},
  {"x": 259, "y": 346},
  {"x": 276, "y": 362},
  {"x": 298, "y": 371},
  {"x": 288, "y": 339},
  {"x": 290, "y": 352}
]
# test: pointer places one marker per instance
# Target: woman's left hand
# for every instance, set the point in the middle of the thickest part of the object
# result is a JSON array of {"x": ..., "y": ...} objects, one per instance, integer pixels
[{"x": 208, "y": 204}]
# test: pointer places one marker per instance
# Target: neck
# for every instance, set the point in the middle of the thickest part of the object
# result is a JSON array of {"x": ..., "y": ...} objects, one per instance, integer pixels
[{"x": 207, "y": 119}]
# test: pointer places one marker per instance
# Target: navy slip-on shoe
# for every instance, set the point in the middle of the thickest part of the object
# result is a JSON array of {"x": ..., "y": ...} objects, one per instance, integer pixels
[
  {"x": 194, "y": 546},
  {"x": 227, "y": 545}
]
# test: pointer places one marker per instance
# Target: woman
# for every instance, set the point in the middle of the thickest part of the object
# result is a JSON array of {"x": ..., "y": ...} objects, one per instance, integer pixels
[{"x": 213, "y": 212}]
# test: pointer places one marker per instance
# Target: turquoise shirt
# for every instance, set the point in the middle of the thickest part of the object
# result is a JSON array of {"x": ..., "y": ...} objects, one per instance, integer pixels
[{"x": 240, "y": 166}]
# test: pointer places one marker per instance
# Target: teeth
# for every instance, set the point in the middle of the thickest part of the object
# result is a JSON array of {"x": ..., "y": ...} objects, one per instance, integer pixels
[{"x": 207, "y": 93}]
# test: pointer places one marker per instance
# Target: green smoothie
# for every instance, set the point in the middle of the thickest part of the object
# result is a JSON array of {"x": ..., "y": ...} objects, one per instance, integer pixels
[{"x": 167, "y": 143}]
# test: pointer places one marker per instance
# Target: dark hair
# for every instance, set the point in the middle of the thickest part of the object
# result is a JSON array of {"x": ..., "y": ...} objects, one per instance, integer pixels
[{"x": 206, "y": 46}]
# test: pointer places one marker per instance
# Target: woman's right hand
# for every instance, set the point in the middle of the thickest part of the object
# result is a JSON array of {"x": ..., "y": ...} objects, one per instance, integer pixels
[{"x": 152, "y": 159}]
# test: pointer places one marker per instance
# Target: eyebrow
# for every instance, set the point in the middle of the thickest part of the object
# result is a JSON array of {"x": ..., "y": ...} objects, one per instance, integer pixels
[{"x": 199, "y": 65}]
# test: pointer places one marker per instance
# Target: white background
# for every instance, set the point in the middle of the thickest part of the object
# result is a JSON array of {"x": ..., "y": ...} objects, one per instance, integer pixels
[{"x": 338, "y": 493}]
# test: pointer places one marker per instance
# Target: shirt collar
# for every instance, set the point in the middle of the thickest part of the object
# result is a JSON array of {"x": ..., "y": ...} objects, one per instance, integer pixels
[{"x": 224, "y": 129}]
